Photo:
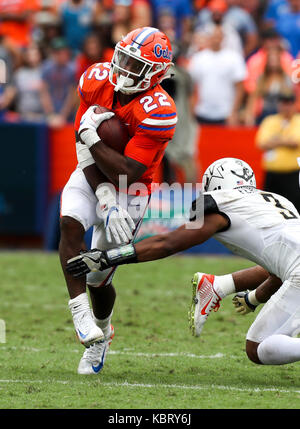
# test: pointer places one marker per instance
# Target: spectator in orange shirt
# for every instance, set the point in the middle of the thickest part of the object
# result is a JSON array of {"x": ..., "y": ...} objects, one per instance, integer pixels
[
  {"x": 256, "y": 63},
  {"x": 130, "y": 14},
  {"x": 16, "y": 20},
  {"x": 263, "y": 101}
]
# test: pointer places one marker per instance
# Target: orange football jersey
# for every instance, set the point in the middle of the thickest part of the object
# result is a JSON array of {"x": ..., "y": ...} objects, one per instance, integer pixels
[{"x": 151, "y": 117}]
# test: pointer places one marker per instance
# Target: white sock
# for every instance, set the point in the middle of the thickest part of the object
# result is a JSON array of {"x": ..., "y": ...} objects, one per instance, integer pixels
[
  {"x": 278, "y": 350},
  {"x": 79, "y": 303},
  {"x": 104, "y": 324},
  {"x": 224, "y": 285}
]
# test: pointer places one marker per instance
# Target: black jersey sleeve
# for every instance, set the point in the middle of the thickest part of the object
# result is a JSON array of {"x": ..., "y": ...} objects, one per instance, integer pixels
[{"x": 210, "y": 207}]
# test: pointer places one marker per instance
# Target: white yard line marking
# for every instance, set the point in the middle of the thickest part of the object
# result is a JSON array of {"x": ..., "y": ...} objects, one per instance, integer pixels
[
  {"x": 189, "y": 355},
  {"x": 128, "y": 353},
  {"x": 157, "y": 386},
  {"x": 203, "y": 387}
]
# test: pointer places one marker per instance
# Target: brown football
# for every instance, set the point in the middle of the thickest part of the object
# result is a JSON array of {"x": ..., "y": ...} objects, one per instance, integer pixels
[{"x": 113, "y": 132}]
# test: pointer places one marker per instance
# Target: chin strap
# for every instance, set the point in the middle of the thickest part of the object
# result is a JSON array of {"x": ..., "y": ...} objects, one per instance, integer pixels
[
  {"x": 168, "y": 76},
  {"x": 123, "y": 82}
]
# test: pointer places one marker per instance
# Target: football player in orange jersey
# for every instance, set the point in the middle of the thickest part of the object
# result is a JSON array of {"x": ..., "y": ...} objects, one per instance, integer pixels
[{"x": 130, "y": 87}]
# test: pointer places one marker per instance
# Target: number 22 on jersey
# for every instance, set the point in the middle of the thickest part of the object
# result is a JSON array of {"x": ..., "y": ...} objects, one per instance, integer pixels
[{"x": 151, "y": 103}]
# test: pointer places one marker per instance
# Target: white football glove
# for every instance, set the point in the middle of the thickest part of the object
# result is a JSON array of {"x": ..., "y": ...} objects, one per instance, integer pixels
[
  {"x": 117, "y": 221},
  {"x": 89, "y": 123}
]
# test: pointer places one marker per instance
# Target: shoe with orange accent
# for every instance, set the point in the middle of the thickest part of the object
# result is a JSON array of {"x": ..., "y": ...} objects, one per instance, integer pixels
[
  {"x": 94, "y": 356},
  {"x": 204, "y": 300}
]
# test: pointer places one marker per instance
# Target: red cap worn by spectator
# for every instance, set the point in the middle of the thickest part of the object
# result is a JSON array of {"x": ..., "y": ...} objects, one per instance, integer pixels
[{"x": 217, "y": 6}]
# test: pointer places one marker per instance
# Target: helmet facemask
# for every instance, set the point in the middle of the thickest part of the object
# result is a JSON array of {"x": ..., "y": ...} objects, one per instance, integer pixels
[{"x": 130, "y": 72}]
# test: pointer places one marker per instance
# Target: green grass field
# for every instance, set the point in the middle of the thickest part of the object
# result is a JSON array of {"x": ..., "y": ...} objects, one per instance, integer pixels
[{"x": 154, "y": 362}]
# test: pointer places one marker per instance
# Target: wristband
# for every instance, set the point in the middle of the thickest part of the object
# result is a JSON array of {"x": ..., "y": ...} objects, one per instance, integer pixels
[
  {"x": 252, "y": 297},
  {"x": 89, "y": 137},
  {"x": 250, "y": 305},
  {"x": 84, "y": 156},
  {"x": 121, "y": 255}
]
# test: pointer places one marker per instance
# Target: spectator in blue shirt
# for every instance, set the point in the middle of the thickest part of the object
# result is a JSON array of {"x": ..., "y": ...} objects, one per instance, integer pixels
[
  {"x": 59, "y": 85},
  {"x": 288, "y": 26},
  {"x": 76, "y": 21},
  {"x": 275, "y": 9},
  {"x": 182, "y": 13}
]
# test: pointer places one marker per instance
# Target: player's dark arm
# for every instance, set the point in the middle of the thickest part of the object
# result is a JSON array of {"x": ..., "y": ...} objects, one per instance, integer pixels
[
  {"x": 150, "y": 249},
  {"x": 110, "y": 162},
  {"x": 183, "y": 238},
  {"x": 113, "y": 164},
  {"x": 266, "y": 289},
  {"x": 95, "y": 176},
  {"x": 246, "y": 302}
]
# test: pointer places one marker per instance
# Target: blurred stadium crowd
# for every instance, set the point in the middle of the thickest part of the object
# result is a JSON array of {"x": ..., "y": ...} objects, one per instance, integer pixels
[
  {"x": 235, "y": 60},
  {"x": 238, "y": 53}
]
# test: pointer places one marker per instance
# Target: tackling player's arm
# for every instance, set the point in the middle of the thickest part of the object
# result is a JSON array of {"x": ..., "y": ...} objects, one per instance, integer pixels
[
  {"x": 183, "y": 238},
  {"x": 150, "y": 249}
]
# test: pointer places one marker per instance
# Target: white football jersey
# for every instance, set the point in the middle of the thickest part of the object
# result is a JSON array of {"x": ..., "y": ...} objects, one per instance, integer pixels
[{"x": 263, "y": 227}]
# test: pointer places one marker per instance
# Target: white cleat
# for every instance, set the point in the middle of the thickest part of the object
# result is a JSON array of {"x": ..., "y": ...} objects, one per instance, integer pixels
[
  {"x": 204, "y": 300},
  {"x": 94, "y": 356},
  {"x": 86, "y": 329}
]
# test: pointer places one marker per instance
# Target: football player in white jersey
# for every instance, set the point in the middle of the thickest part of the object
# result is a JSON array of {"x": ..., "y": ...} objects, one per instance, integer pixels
[{"x": 260, "y": 226}]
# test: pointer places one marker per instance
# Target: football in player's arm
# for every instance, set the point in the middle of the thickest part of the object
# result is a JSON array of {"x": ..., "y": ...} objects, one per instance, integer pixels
[{"x": 254, "y": 224}]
